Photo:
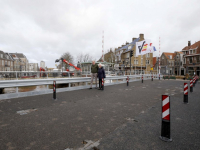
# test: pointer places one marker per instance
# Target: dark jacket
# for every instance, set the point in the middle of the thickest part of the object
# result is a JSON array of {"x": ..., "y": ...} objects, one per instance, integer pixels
[
  {"x": 101, "y": 73},
  {"x": 94, "y": 68}
]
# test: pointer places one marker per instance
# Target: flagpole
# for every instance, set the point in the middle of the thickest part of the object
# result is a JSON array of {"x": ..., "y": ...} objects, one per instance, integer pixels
[
  {"x": 146, "y": 62},
  {"x": 159, "y": 56},
  {"x": 141, "y": 63}
]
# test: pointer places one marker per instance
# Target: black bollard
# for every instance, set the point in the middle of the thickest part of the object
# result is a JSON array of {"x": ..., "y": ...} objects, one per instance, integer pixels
[
  {"x": 185, "y": 96},
  {"x": 54, "y": 89},
  {"x": 191, "y": 85},
  {"x": 102, "y": 84},
  {"x": 142, "y": 78}
]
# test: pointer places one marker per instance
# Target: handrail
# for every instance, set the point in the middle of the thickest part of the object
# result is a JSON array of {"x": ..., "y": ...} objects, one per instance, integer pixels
[{"x": 35, "y": 82}]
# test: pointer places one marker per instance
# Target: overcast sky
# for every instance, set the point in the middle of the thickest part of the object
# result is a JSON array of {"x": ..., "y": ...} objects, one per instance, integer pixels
[{"x": 45, "y": 29}]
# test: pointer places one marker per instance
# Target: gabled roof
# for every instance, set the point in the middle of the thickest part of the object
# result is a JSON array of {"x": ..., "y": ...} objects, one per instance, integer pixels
[
  {"x": 180, "y": 52},
  {"x": 168, "y": 54},
  {"x": 193, "y": 46},
  {"x": 19, "y": 55}
]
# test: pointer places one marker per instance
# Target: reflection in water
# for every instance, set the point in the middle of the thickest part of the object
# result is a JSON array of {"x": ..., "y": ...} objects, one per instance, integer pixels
[{"x": 25, "y": 89}]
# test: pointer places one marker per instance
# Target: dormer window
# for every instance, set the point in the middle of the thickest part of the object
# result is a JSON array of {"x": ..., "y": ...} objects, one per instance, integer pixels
[{"x": 170, "y": 56}]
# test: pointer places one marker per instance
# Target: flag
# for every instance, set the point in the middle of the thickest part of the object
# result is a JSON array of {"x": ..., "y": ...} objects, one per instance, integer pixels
[
  {"x": 150, "y": 48},
  {"x": 142, "y": 47},
  {"x": 154, "y": 49}
]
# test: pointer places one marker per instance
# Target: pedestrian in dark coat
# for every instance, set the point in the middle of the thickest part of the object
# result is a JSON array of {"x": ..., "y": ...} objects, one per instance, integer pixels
[{"x": 101, "y": 75}]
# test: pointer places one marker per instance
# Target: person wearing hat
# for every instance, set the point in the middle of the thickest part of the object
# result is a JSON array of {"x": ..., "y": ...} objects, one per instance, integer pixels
[{"x": 101, "y": 75}]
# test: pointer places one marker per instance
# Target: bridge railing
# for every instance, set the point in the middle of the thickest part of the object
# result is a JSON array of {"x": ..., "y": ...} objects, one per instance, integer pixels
[{"x": 73, "y": 84}]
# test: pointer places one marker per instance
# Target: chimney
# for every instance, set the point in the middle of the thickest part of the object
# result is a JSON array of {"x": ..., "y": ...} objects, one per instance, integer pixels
[
  {"x": 141, "y": 36},
  {"x": 189, "y": 44},
  {"x": 133, "y": 39},
  {"x": 127, "y": 42}
]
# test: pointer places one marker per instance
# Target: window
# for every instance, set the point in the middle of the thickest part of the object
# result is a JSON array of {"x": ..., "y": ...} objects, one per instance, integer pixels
[
  {"x": 2, "y": 62},
  {"x": 148, "y": 55},
  {"x": 197, "y": 58},
  {"x": 194, "y": 51},
  {"x": 162, "y": 57},
  {"x": 9, "y": 63},
  {"x": 184, "y": 60},
  {"x": 1, "y": 55},
  {"x": 190, "y": 52},
  {"x": 136, "y": 62},
  {"x": 190, "y": 59},
  {"x": 147, "y": 61}
]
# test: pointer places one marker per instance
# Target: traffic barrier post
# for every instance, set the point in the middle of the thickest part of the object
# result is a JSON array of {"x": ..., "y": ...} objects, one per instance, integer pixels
[
  {"x": 185, "y": 96},
  {"x": 193, "y": 82},
  {"x": 152, "y": 78},
  {"x": 142, "y": 78},
  {"x": 54, "y": 89},
  {"x": 127, "y": 80},
  {"x": 166, "y": 127},
  {"x": 102, "y": 84},
  {"x": 191, "y": 85}
]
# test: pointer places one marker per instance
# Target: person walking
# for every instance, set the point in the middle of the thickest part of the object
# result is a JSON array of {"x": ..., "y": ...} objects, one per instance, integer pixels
[
  {"x": 101, "y": 75},
  {"x": 94, "y": 70}
]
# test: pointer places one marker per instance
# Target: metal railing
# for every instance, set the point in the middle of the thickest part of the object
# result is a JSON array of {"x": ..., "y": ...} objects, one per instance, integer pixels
[{"x": 109, "y": 80}]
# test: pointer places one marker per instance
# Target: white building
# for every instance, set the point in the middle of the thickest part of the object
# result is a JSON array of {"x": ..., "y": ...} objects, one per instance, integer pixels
[
  {"x": 33, "y": 67},
  {"x": 42, "y": 64}
]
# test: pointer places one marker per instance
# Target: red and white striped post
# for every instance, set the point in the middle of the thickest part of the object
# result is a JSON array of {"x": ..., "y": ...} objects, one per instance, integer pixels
[
  {"x": 191, "y": 85},
  {"x": 54, "y": 89},
  {"x": 102, "y": 84},
  {"x": 193, "y": 82},
  {"x": 166, "y": 128},
  {"x": 127, "y": 79},
  {"x": 185, "y": 96},
  {"x": 142, "y": 78}
]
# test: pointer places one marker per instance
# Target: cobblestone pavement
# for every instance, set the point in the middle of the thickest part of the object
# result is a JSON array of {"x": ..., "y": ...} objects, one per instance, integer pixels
[{"x": 119, "y": 117}]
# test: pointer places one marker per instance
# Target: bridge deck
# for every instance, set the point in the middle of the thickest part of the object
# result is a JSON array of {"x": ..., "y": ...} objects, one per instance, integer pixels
[{"x": 120, "y": 117}]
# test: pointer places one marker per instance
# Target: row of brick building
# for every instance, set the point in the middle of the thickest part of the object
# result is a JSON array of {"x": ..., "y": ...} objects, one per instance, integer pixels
[
  {"x": 17, "y": 62},
  {"x": 121, "y": 57},
  {"x": 181, "y": 62},
  {"x": 186, "y": 61}
]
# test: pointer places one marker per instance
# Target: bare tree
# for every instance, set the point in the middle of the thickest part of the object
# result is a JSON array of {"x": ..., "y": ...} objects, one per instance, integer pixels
[
  {"x": 67, "y": 56},
  {"x": 84, "y": 58}
]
